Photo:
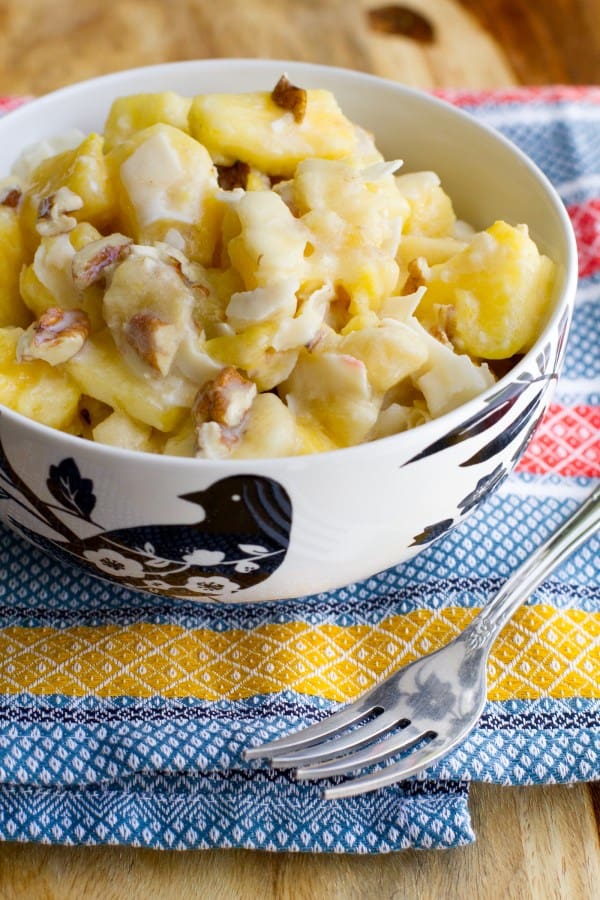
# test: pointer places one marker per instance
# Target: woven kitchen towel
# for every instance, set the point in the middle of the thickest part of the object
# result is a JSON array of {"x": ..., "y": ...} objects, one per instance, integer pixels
[{"x": 123, "y": 717}]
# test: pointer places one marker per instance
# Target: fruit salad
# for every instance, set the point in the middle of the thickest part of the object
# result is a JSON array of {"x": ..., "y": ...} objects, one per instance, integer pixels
[{"x": 244, "y": 275}]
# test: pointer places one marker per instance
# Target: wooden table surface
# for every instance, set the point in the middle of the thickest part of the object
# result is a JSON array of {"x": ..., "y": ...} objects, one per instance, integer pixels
[{"x": 533, "y": 843}]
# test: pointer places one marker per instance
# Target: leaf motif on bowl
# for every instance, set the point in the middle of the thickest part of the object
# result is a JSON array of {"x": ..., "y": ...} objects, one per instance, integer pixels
[
  {"x": 484, "y": 486},
  {"x": 71, "y": 490},
  {"x": 432, "y": 532},
  {"x": 500, "y": 441}
]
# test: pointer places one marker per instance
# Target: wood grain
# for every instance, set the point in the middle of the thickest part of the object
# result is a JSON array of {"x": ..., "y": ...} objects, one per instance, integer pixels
[
  {"x": 545, "y": 43},
  {"x": 477, "y": 43},
  {"x": 533, "y": 843},
  {"x": 46, "y": 45}
]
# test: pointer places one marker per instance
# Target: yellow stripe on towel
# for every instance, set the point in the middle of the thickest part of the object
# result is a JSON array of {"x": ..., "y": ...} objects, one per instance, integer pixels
[{"x": 543, "y": 652}]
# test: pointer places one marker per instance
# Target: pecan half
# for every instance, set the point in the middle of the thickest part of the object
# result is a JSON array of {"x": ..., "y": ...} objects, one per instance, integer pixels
[
  {"x": 219, "y": 412},
  {"x": 234, "y": 176},
  {"x": 291, "y": 98},
  {"x": 53, "y": 212},
  {"x": 226, "y": 399},
  {"x": 56, "y": 336},
  {"x": 153, "y": 339},
  {"x": 98, "y": 258}
]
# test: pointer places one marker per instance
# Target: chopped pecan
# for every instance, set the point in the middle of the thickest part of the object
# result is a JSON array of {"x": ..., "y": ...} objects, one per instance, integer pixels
[
  {"x": 56, "y": 336},
  {"x": 219, "y": 412},
  {"x": 53, "y": 212},
  {"x": 225, "y": 400},
  {"x": 98, "y": 258},
  {"x": 11, "y": 197},
  {"x": 418, "y": 275},
  {"x": 291, "y": 98},
  {"x": 234, "y": 176},
  {"x": 153, "y": 339}
]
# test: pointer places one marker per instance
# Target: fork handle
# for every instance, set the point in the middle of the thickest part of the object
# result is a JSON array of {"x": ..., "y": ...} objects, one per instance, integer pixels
[{"x": 567, "y": 537}]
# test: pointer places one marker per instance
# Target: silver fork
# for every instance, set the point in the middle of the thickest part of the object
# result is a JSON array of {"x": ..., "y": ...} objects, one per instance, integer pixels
[{"x": 430, "y": 705}]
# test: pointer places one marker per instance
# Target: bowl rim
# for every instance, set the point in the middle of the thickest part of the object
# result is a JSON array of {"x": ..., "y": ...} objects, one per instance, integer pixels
[{"x": 564, "y": 303}]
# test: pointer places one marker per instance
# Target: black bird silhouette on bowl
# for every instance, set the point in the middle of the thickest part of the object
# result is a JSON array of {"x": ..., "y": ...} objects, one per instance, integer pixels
[{"x": 239, "y": 538}]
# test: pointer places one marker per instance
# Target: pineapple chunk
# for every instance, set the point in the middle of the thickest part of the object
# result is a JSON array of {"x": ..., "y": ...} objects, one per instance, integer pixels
[
  {"x": 36, "y": 295},
  {"x": 83, "y": 234},
  {"x": 333, "y": 389},
  {"x": 12, "y": 257},
  {"x": 138, "y": 111},
  {"x": 368, "y": 276},
  {"x": 365, "y": 153},
  {"x": 499, "y": 286},
  {"x": 223, "y": 283},
  {"x": 366, "y": 273},
  {"x": 253, "y": 129},
  {"x": 168, "y": 191},
  {"x": 373, "y": 204},
  {"x": 361, "y": 322},
  {"x": 390, "y": 352},
  {"x": 90, "y": 412},
  {"x": 34, "y": 388},
  {"x": 83, "y": 171},
  {"x": 431, "y": 211},
  {"x": 269, "y": 430},
  {"x": 182, "y": 442},
  {"x": 120, "y": 430},
  {"x": 432, "y": 249},
  {"x": 100, "y": 371},
  {"x": 271, "y": 243},
  {"x": 311, "y": 437},
  {"x": 274, "y": 368},
  {"x": 396, "y": 418},
  {"x": 245, "y": 350}
]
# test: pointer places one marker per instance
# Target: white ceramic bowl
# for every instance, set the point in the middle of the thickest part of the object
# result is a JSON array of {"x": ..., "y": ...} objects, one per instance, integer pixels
[{"x": 273, "y": 529}]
